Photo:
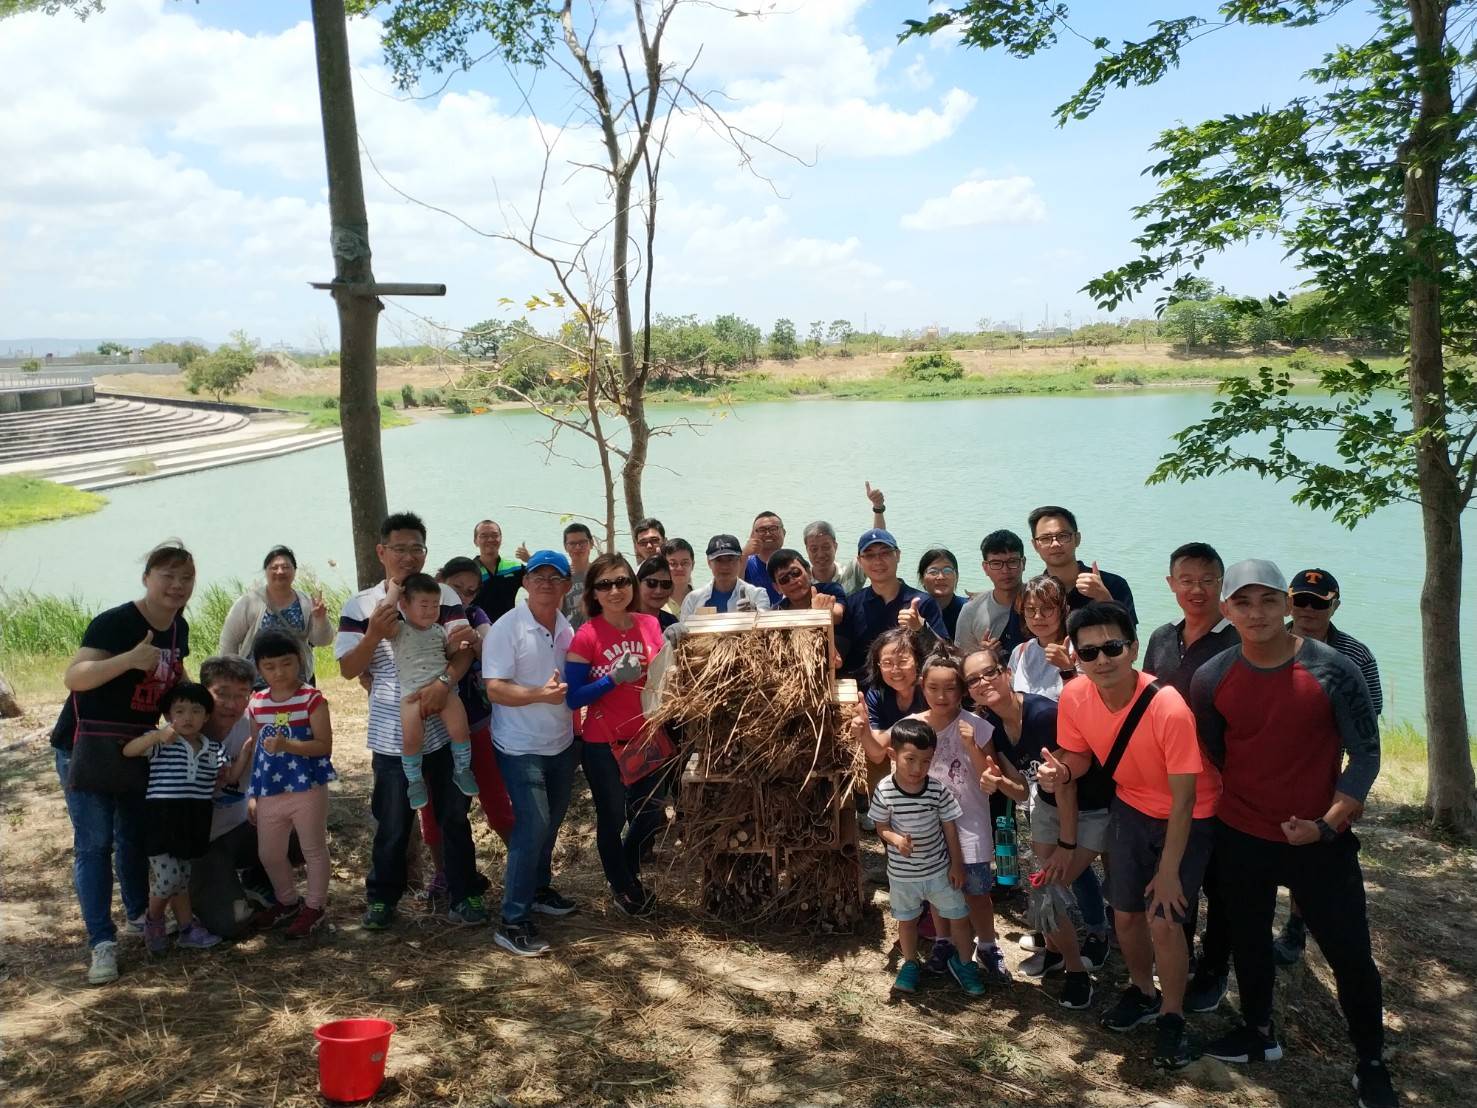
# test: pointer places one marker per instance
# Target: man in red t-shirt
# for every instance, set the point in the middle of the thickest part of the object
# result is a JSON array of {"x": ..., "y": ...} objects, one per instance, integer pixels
[
  {"x": 1279, "y": 715},
  {"x": 1160, "y": 828}
]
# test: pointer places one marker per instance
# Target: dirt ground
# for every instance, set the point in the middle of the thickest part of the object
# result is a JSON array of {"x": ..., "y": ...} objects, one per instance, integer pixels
[{"x": 672, "y": 1011}]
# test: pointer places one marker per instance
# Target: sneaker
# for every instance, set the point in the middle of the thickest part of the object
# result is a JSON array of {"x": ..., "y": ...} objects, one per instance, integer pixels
[
  {"x": 520, "y": 939},
  {"x": 1287, "y": 948},
  {"x": 907, "y": 978},
  {"x": 377, "y": 916},
  {"x": 195, "y": 937},
  {"x": 1172, "y": 1049},
  {"x": 136, "y": 925},
  {"x": 637, "y": 905},
  {"x": 1042, "y": 963},
  {"x": 1372, "y": 1083},
  {"x": 104, "y": 966},
  {"x": 1033, "y": 941},
  {"x": 259, "y": 895},
  {"x": 548, "y": 901},
  {"x": 1095, "y": 952},
  {"x": 275, "y": 915},
  {"x": 468, "y": 912},
  {"x": 305, "y": 921},
  {"x": 939, "y": 957},
  {"x": 1132, "y": 1009},
  {"x": 415, "y": 792},
  {"x": 991, "y": 961},
  {"x": 1246, "y": 1044},
  {"x": 1077, "y": 991},
  {"x": 464, "y": 780},
  {"x": 156, "y": 938},
  {"x": 967, "y": 974},
  {"x": 1206, "y": 990}
]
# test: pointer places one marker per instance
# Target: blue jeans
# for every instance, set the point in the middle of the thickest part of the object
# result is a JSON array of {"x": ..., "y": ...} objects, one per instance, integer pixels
[
  {"x": 539, "y": 786},
  {"x": 1089, "y": 893},
  {"x": 393, "y": 820},
  {"x": 107, "y": 837},
  {"x": 627, "y": 817}
]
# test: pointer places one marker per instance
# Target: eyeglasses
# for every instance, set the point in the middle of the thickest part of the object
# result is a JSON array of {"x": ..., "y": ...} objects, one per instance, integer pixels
[
  {"x": 609, "y": 583},
  {"x": 984, "y": 675},
  {"x": 1308, "y": 600},
  {"x": 1055, "y": 538},
  {"x": 787, "y": 578},
  {"x": 658, "y": 582},
  {"x": 545, "y": 579},
  {"x": 403, "y": 548},
  {"x": 1209, "y": 584},
  {"x": 999, "y": 564},
  {"x": 1112, "y": 648},
  {"x": 897, "y": 663},
  {"x": 940, "y": 571},
  {"x": 769, "y": 529}
]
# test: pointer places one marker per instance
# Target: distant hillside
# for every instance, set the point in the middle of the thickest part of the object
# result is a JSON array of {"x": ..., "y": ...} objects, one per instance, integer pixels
[{"x": 66, "y": 348}]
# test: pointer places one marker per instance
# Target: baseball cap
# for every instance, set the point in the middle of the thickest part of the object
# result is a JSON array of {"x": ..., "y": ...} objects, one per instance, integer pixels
[
  {"x": 873, "y": 536},
  {"x": 548, "y": 558},
  {"x": 1253, "y": 571},
  {"x": 1319, "y": 582},
  {"x": 722, "y": 546}
]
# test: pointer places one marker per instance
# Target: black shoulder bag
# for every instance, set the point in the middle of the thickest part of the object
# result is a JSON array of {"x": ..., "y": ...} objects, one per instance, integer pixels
[{"x": 1125, "y": 731}]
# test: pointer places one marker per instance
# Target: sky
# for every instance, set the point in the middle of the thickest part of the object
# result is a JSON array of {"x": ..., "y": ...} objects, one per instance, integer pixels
[{"x": 164, "y": 171}]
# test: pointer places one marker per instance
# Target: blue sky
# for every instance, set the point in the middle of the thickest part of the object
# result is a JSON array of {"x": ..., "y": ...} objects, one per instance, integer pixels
[{"x": 170, "y": 179}]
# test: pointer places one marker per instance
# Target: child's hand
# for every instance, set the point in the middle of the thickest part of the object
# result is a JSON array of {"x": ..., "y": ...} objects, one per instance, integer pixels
[
  {"x": 251, "y": 809},
  {"x": 903, "y": 844},
  {"x": 277, "y": 744},
  {"x": 991, "y": 778},
  {"x": 966, "y": 732},
  {"x": 956, "y": 874}
]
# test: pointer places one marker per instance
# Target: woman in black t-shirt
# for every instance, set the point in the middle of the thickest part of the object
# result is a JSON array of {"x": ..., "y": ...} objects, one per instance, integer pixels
[{"x": 130, "y": 657}]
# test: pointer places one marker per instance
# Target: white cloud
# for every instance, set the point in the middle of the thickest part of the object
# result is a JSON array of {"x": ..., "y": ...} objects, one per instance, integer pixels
[{"x": 977, "y": 202}]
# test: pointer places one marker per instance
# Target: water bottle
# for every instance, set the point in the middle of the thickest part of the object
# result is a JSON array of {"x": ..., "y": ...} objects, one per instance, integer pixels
[{"x": 1006, "y": 870}]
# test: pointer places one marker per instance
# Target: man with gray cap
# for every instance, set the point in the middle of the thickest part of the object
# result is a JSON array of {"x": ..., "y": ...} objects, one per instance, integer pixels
[
  {"x": 727, "y": 592},
  {"x": 1279, "y": 714}
]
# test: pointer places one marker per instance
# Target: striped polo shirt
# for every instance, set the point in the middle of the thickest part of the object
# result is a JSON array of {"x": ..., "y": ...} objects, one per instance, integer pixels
[
  {"x": 178, "y": 771},
  {"x": 384, "y": 693},
  {"x": 921, "y": 816}
]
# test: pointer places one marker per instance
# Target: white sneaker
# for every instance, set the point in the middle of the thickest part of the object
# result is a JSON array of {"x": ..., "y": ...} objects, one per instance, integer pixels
[
  {"x": 104, "y": 966},
  {"x": 1032, "y": 940}
]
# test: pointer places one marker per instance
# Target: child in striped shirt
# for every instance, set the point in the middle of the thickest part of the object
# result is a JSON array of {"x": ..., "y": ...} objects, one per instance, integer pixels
[
  {"x": 183, "y": 762},
  {"x": 916, "y": 816},
  {"x": 293, "y": 739}
]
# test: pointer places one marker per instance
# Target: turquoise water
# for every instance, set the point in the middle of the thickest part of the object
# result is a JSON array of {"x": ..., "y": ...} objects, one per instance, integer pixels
[{"x": 952, "y": 471}]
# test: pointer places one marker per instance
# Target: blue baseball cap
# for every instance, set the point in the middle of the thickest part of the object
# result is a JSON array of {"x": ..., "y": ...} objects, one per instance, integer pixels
[
  {"x": 548, "y": 558},
  {"x": 873, "y": 537}
]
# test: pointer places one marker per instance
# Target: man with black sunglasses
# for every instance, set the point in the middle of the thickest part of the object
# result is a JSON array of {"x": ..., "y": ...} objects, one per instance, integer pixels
[{"x": 790, "y": 573}]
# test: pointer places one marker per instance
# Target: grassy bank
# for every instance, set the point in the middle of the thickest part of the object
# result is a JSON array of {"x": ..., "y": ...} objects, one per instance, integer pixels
[
  {"x": 26, "y": 500},
  {"x": 323, "y": 411}
]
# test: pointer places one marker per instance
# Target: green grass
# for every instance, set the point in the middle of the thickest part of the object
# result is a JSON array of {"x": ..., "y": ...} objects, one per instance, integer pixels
[
  {"x": 319, "y": 417},
  {"x": 1402, "y": 778},
  {"x": 26, "y": 500}
]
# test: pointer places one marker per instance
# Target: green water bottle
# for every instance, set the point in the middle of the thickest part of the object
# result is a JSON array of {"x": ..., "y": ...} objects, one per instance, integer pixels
[{"x": 1006, "y": 870}]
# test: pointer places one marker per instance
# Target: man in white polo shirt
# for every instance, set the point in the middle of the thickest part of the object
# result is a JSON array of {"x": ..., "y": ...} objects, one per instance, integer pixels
[{"x": 533, "y": 737}]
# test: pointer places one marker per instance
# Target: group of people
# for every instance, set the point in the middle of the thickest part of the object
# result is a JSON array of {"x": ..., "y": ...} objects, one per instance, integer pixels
[{"x": 1234, "y": 762}]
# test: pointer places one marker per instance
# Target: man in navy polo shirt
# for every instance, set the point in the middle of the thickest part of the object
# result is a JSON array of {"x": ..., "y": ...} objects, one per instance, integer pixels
[
  {"x": 766, "y": 536},
  {"x": 885, "y": 602},
  {"x": 1056, "y": 538}
]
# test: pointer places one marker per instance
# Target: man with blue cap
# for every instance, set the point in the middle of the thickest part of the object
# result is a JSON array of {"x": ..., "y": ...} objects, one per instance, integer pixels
[{"x": 886, "y": 601}]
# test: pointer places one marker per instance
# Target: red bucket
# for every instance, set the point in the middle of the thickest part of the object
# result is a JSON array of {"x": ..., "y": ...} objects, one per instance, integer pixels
[{"x": 351, "y": 1058}]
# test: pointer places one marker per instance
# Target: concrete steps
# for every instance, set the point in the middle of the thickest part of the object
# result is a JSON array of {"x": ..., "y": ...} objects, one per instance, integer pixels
[
  {"x": 98, "y": 478},
  {"x": 104, "y": 425}
]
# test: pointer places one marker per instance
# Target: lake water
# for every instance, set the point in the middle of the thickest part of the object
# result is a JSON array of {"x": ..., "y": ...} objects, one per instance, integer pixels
[{"x": 952, "y": 471}]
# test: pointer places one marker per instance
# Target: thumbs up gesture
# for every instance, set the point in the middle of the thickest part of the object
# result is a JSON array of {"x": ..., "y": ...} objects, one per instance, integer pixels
[
  {"x": 909, "y": 616},
  {"x": 522, "y": 553},
  {"x": 145, "y": 655},
  {"x": 1090, "y": 584},
  {"x": 991, "y": 778},
  {"x": 1051, "y": 772},
  {"x": 876, "y": 497},
  {"x": 1059, "y": 654},
  {"x": 552, "y": 691}
]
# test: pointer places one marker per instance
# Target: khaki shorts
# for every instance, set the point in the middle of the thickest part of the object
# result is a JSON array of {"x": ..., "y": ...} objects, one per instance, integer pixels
[{"x": 1092, "y": 826}]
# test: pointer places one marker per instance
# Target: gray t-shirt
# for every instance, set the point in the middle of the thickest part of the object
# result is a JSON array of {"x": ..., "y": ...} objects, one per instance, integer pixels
[
  {"x": 420, "y": 655},
  {"x": 982, "y": 617}
]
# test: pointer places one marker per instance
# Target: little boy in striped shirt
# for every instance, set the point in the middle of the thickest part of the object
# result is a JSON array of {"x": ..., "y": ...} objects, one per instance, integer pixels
[{"x": 915, "y": 816}]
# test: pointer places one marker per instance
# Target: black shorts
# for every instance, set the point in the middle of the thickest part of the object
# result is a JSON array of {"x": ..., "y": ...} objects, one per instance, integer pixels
[
  {"x": 1135, "y": 842},
  {"x": 177, "y": 827}
]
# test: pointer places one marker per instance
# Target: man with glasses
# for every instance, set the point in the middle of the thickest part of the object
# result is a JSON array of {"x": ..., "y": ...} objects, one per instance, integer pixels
[
  {"x": 363, "y": 649},
  {"x": 578, "y": 544},
  {"x": 886, "y": 601},
  {"x": 501, "y": 577},
  {"x": 765, "y": 537},
  {"x": 1160, "y": 825},
  {"x": 821, "y": 546},
  {"x": 648, "y": 535},
  {"x": 1056, "y": 538},
  {"x": 533, "y": 738},
  {"x": 989, "y": 618},
  {"x": 1290, "y": 722},
  {"x": 791, "y": 575},
  {"x": 727, "y": 592}
]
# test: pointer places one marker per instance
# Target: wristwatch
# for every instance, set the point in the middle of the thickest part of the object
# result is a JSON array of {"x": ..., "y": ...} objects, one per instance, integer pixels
[
  {"x": 445, "y": 679},
  {"x": 1326, "y": 834}
]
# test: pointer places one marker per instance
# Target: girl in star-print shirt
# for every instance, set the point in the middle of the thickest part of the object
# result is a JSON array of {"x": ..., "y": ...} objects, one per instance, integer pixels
[{"x": 289, "y": 782}]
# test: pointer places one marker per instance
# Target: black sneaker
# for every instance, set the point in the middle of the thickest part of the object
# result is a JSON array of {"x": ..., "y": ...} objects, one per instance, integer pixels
[
  {"x": 1171, "y": 1045},
  {"x": 377, "y": 916},
  {"x": 1132, "y": 1009},
  {"x": 1095, "y": 952},
  {"x": 1287, "y": 948},
  {"x": 548, "y": 901},
  {"x": 1206, "y": 990},
  {"x": 521, "y": 939},
  {"x": 1077, "y": 992},
  {"x": 1246, "y": 1044},
  {"x": 1372, "y": 1083},
  {"x": 637, "y": 905}
]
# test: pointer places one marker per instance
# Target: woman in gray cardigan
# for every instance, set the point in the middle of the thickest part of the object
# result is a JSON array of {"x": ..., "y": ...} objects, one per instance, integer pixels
[{"x": 277, "y": 606}]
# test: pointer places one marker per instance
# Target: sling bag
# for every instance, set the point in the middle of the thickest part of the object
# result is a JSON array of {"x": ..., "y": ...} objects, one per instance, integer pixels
[{"x": 1127, "y": 728}]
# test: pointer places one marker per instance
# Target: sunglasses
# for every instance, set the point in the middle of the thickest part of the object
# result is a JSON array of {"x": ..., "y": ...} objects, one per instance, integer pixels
[
  {"x": 1308, "y": 600},
  {"x": 786, "y": 578},
  {"x": 1112, "y": 648},
  {"x": 613, "y": 583},
  {"x": 658, "y": 582}
]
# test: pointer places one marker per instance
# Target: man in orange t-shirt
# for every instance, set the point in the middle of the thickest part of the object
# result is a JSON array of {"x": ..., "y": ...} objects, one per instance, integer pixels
[{"x": 1160, "y": 829}]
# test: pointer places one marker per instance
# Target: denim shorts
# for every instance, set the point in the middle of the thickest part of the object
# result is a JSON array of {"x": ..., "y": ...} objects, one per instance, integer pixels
[
  {"x": 979, "y": 879},
  {"x": 907, "y": 897}
]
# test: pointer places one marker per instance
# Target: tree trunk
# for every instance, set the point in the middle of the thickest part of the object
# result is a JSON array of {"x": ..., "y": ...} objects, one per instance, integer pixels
[
  {"x": 1451, "y": 791},
  {"x": 358, "y": 316}
]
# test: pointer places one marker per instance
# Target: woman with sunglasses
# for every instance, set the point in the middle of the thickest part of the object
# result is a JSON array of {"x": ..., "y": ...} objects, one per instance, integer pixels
[
  {"x": 1044, "y": 662},
  {"x": 605, "y": 670},
  {"x": 653, "y": 589},
  {"x": 938, "y": 575}
]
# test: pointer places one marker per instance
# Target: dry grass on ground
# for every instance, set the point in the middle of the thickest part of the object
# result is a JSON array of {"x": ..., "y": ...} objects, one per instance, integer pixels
[{"x": 676, "y": 1011}]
